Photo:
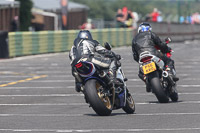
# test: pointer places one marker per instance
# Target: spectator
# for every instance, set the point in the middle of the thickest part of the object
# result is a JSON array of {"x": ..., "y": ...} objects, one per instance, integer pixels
[
  {"x": 195, "y": 18},
  {"x": 87, "y": 26},
  {"x": 129, "y": 19},
  {"x": 14, "y": 24},
  {"x": 154, "y": 15},
  {"x": 188, "y": 19},
  {"x": 120, "y": 18},
  {"x": 124, "y": 18},
  {"x": 159, "y": 18},
  {"x": 147, "y": 17},
  {"x": 181, "y": 19},
  {"x": 135, "y": 19}
]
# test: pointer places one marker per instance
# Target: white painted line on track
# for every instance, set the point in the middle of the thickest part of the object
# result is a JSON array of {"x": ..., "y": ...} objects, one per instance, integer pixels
[
  {"x": 32, "y": 57},
  {"x": 53, "y": 72},
  {"x": 99, "y": 130},
  {"x": 13, "y": 76},
  {"x": 46, "y": 104},
  {"x": 43, "y": 80},
  {"x": 191, "y": 79},
  {"x": 80, "y": 94},
  {"x": 188, "y": 86},
  {"x": 51, "y": 76},
  {"x": 23, "y": 88},
  {"x": 78, "y": 104},
  {"x": 43, "y": 95},
  {"x": 72, "y": 81},
  {"x": 77, "y": 115}
]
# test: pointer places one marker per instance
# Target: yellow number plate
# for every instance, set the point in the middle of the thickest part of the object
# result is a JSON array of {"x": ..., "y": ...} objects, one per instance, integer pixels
[{"x": 149, "y": 68}]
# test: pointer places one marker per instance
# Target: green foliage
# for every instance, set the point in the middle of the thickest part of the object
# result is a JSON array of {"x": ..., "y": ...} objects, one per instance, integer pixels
[
  {"x": 25, "y": 14},
  {"x": 98, "y": 8},
  {"x": 106, "y": 9}
]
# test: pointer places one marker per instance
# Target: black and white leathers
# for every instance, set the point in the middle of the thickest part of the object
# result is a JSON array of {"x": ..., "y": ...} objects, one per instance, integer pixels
[{"x": 90, "y": 49}]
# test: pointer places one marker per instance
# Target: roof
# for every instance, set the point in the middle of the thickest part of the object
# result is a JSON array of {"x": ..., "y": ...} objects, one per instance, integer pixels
[
  {"x": 55, "y": 4},
  {"x": 8, "y": 3}
]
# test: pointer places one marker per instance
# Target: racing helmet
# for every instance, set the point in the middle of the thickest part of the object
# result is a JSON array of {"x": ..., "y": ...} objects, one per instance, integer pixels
[
  {"x": 144, "y": 27},
  {"x": 85, "y": 34}
]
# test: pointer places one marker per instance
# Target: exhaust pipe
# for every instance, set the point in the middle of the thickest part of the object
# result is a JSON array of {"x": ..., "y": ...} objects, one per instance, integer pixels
[
  {"x": 76, "y": 75},
  {"x": 165, "y": 74},
  {"x": 102, "y": 74},
  {"x": 106, "y": 78}
]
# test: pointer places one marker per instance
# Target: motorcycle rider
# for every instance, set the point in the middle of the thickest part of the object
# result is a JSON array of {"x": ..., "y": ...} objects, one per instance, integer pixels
[
  {"x": 146, "y": 40},
  {"x": 85, "y": 47}
]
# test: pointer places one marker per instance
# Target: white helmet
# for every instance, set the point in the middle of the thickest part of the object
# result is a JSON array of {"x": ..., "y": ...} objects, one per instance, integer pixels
[{"x": 144, "y": 27}]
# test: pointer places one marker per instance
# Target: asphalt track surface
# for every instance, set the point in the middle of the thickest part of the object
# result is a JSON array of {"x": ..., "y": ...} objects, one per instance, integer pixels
[{"x": 37, "y": 96}]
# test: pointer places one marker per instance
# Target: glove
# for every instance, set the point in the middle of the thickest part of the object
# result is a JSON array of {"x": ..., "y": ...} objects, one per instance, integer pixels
[
  {"x": 109, "y": 54},
  {"x": 168, "y": 55},
  {"x": 169, "y": 50},
  {"x": 135, "y": 57},
  {"x": 118, "y": 57}
]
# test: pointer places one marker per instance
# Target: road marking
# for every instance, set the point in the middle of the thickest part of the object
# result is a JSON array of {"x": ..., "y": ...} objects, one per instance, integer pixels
[
  {"x": 24, "y": 88},
  {"x": 99, "y": 130},
  {"x": 77, "y": 115},
  {"x": 48, "y": 81},
  {"x": 78, "y": 104},
  {"x": 188, "y": 86},
  {"x": 52, "y": 76},
  {"x": 31, "y": 57},
  {"x": 72, "y": 81},
  {"x": 15, "y": 73},
  {"x": 80, "y": 94},
  {"x": 20, "y": 81},
  {"x": 43, "y": 95},
  {"x": 191, "y": 79},
  {"x": 46, "y": 104}
]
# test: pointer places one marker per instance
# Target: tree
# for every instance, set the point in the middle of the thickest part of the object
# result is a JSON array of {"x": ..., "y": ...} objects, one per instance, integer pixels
[{"x": 25, "y": 14}]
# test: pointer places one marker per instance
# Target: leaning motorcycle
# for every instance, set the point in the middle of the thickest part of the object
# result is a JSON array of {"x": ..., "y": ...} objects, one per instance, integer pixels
[
  {"x": 157, "y": 79},
  {"x": 102, "y": 97}
]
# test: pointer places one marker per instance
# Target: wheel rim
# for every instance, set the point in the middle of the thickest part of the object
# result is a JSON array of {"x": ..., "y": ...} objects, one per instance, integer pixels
[
  {"x": 131, "y": 101},
  {"x": 104, "y": 99}
]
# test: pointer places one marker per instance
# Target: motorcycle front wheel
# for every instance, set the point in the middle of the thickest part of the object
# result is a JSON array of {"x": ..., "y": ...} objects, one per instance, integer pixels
[
  {"x": 100, "y": 103},
  {"x": 129, "y": 108},
  {"x": 157, "y": 88},
  {"x": 174, "y": 94}
]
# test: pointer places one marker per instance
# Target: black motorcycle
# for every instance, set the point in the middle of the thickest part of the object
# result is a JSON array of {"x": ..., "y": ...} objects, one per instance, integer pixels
[
  {"x": 101, "y": 96},
  {"x": 157, "y": 79}
]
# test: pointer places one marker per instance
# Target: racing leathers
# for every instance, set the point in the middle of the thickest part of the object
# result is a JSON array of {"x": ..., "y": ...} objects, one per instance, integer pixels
[
  {"x": 148, "y": 41},
  {"x": 93, "y": 52}
]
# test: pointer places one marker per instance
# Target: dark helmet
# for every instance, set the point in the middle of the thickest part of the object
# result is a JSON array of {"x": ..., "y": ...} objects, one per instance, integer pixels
[
  {"x": 85, "y": 34},
  {"x": 144, "y": 27}
]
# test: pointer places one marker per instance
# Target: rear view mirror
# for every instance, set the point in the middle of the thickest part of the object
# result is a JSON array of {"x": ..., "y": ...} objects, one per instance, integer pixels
[{"x": 107, "y": 46}]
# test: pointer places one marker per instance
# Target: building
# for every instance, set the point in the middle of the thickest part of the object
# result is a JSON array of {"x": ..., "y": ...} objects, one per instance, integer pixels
[
  {"x": 8, "y": 10},
  {"x": 47, "y": 14}
]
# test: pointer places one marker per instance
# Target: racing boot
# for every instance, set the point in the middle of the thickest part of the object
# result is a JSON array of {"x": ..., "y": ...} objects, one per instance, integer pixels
[
  {"x": 113, "y": 78},
  {"x": 143, "y": 78},
  {"x": 172, "y": 73},
  {"x": 78, "y": 86},
  {"x": 78, "y": 81},
  {"x": 112, "y": 73}
]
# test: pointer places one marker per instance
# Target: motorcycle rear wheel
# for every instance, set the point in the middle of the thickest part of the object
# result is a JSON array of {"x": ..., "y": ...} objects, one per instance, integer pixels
[
  {"x": 157, "y": 88},
  {"x": 100, "y": 103}
]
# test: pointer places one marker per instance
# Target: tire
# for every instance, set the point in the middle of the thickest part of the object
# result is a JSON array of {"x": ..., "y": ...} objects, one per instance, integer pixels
[
  {"x": 157, "y": 88},
  {"x": 101, "y": 105},
  {"x": 174, "y": 94},
  {"x": 130, "y": 104}
]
